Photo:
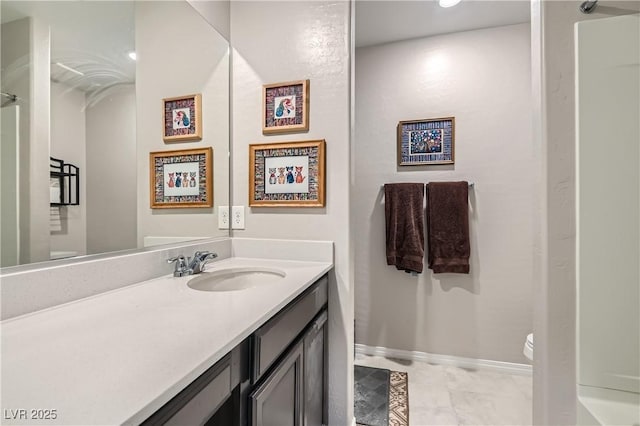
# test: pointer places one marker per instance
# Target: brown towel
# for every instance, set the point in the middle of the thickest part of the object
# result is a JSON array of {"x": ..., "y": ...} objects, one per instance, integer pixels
[
  {"x": 404, "y": 214},
  {"x": 448, "y": 227}
]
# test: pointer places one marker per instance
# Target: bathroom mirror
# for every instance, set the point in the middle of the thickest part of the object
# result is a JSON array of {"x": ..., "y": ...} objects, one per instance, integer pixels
[{"x": 83, "y": 82}]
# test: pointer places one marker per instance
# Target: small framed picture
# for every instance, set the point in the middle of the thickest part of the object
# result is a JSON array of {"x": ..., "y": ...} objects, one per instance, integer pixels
[
  {"x": 289, "y": 174},
  {"x": 182, "y": 118},
  {"x": 181, "y": 179},
  {"x": 425, "y": 142},
  {"x": 285, "y": 107}
]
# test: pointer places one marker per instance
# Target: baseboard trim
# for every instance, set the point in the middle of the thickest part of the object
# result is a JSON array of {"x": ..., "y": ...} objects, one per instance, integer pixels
[{"x": 456, "y": 361}]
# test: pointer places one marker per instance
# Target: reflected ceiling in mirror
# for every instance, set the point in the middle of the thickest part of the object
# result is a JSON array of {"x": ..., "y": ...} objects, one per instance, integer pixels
[
  {"x": 90, "y": 41},
  {"x": 84, "y": 95}
]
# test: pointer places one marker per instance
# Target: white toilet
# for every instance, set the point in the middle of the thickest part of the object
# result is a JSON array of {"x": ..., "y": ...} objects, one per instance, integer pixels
[{"x": 528, "y": 347}]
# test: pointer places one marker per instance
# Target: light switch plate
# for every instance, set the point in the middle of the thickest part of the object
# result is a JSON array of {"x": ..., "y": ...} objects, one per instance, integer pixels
[
  {"x": 237, "y": 217},
  {"x": 223, "y": 217}
]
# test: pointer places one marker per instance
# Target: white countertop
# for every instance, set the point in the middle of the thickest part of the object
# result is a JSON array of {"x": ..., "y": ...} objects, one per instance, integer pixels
[{"x": 117, "y": 357}]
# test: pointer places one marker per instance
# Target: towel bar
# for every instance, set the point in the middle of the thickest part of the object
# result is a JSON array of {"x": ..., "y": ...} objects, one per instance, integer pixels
[{"x": 471, "y": 185}]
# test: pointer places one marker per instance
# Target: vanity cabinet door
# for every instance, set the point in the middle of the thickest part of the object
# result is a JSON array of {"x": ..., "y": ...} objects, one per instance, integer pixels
[
  {"x": 278, "y": 401},
  {"x": 315, "y": 372}
]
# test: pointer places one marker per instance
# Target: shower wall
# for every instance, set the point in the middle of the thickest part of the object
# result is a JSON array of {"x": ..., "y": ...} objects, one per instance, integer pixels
[
  {"x": 555, "y": 296},
  {"x": 608, "y": 202}
]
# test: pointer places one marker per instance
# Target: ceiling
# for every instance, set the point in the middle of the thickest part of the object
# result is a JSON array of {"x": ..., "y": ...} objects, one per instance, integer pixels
[
  {"x": 92, "y": 37},
  {"x": 381, "y": 21}
]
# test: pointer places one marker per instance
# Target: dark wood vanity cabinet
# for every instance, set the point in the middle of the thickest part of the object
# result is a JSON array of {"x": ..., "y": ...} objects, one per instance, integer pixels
[
  {"x": 276, "y": 377},
  {"x": 289, "y": 363},
  {"x": 213, "y": 398}
]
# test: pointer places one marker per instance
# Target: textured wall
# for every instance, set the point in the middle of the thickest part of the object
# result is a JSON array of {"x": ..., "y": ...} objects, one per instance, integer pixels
[
  {"x": 483, "y": 79},
  {"x": 283, "y": 41}
]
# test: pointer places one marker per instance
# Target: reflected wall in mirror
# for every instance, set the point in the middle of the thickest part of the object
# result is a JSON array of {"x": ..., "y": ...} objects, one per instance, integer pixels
[{"x": 83, "y": 82}]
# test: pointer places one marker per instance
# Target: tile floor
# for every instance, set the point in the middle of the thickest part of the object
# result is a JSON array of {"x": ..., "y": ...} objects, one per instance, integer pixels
[{"x": 445, "y": 395}]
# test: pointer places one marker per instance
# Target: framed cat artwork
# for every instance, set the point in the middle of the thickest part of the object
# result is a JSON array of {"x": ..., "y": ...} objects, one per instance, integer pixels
[
  {"x": 181, "y": 179},
  {"x": 287, "y": 174},
  {"x": 285, "y": 107},
  {"x": 182, "y": 118}
]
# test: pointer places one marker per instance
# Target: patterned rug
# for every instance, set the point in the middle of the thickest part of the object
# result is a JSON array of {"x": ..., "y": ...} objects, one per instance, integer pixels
[
  {"x": 381, "y": 397},
  {"x": 399, "y": 399}
]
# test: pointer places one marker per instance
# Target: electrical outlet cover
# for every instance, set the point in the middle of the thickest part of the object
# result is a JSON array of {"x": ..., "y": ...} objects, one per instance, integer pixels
[
  {"x": 223, "y": 217},
  {"x": 237, "y": 217}
]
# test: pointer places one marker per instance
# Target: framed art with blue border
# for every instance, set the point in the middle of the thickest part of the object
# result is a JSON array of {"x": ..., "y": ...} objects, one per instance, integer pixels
[
  {"x": 426, "y": 142},
  {"x": 285, "y": 107},
  {"x": 181, "y": 179},
  {"x": 287, "y": 174}
]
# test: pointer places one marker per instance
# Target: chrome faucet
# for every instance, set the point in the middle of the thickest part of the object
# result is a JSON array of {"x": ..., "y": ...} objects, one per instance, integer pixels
[
  {"x": 182, "y": 268},
  {"x": 200, "y": 258},
  {"x": 190, "y": 266}
]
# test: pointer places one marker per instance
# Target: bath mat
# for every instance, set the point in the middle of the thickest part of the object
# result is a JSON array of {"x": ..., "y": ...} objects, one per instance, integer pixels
[
  {"x": 399, "y": 399},
  {"x": 381, "y": 397}
]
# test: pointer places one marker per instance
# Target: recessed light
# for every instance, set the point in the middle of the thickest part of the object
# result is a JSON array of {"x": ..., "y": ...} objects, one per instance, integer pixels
[
  {"x": 448, "y": 3},
  {"x": 132, "y": 55}
]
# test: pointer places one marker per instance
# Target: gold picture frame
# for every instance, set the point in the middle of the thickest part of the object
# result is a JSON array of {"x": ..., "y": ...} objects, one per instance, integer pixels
[
  {"x": 287, "y": 174},
  {"x": 182, "y": 118},
  {"x": 168, "y": 172},
  {"x": 426, "y": 142},
  {"x": 285, "y": 107}
]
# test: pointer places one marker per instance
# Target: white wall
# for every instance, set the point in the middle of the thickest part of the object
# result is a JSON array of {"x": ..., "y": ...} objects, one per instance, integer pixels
[
  {"x": 283, "y": 41},
  {"x": 15, "y": 80},
  {"x": 110, "y": 174},
  {"x": 216, "y": 12},
  {"x": 25, "y": 73},
  {"x": 68, "y": 143},
  {"x": 174, "y": 64},
  {"x": 9, "y": 186},
  {"x": 554, "y": 380},
  {"x": 483, "y": 79},
  {"x": 39, "y": 142}
]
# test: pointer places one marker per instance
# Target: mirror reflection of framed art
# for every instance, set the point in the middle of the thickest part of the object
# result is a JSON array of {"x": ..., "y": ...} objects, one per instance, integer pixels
[
  {"x": 181, "y": 179},
  {"x": 182, "y": 118}
]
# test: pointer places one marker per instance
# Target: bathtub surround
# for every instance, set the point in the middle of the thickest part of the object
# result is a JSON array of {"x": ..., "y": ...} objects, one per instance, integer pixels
[
  {"x": 483, "y": 78},
  {"x": 290, "y": 41},
  {"x": 555, "y": 296}
]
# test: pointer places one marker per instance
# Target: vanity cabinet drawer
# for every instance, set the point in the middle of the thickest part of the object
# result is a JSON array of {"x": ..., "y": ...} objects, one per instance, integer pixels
[
  {"x": 202, "y": 406},
  {"x": 198, "y": 403},
  {"x": 273, "y": 338}
]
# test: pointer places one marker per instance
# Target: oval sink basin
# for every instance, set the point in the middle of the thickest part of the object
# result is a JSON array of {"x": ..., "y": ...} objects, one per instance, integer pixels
[{"x": 234, "y": 279}]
